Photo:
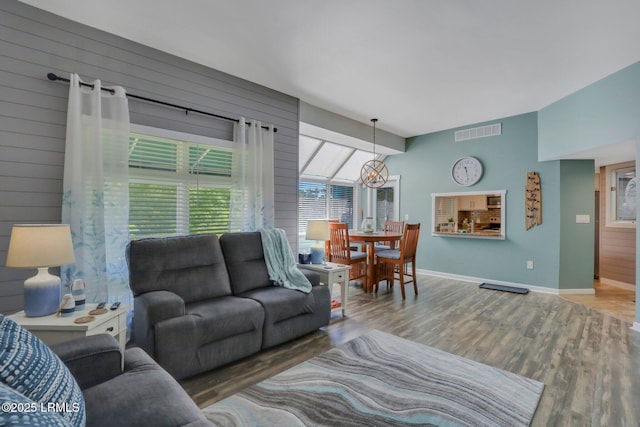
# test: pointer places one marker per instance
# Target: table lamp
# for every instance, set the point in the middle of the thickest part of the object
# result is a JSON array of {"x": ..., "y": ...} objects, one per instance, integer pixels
[
  {"x": 40, "y": 246},
  {"x": 318, "y": 230}
]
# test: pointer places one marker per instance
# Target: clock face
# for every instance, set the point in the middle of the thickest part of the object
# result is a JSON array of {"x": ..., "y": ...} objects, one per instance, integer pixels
[{"x": 466, "y": 171}]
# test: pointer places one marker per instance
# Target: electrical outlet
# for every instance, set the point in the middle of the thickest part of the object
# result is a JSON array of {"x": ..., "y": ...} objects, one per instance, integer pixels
[
  {"x": 406, "y": 217},
  {"x": 530, "y": 265}
]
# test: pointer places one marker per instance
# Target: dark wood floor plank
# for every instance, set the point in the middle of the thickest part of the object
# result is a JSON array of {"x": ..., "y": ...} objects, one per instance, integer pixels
[{"x": 589, "y": 361}]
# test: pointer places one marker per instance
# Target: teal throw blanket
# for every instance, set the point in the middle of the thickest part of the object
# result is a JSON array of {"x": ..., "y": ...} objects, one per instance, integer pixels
[{"x": 281, "y": 263}]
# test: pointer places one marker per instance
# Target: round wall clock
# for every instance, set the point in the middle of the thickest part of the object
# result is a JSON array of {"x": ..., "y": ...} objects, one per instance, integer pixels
[{"x": 466, "y": 171}]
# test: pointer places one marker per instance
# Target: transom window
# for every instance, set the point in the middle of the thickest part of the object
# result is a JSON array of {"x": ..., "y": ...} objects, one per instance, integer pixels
[{"x": 319, "y": 159}]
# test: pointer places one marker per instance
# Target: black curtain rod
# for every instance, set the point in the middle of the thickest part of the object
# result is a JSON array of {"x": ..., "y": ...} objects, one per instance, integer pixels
[{"x": 187, "y": 110}]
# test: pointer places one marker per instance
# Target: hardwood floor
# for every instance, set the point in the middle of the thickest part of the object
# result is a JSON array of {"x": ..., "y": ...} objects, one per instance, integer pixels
[
  {"x": 589, "y": 361},
  {"x": 611, "y": 300}
]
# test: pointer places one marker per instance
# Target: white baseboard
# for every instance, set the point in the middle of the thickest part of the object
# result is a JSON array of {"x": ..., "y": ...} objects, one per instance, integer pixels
[
  {"x": 582, "y": 291},
  {"x": 478, "y": 280},
  {"x": 618, "y": 284},
  {"x": 635, "y": 327}
]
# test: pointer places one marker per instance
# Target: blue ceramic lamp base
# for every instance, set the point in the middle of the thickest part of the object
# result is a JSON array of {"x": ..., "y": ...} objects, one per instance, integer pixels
[
  {"x": 41, "y": 294},
  {"x": 317, "y": 254}
]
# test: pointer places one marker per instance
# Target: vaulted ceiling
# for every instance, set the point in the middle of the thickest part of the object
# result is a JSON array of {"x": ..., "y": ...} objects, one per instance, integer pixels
[{"x": 417, "y": 65}]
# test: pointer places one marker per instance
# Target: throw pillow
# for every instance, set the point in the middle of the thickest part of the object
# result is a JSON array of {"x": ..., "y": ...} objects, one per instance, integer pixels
[
  {"x": 18, "y": 410},
  {"x": 29, "y": 367}
]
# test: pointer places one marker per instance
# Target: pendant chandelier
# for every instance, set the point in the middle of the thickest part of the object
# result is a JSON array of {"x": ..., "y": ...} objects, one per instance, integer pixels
[{"x": 374, "y": 173}]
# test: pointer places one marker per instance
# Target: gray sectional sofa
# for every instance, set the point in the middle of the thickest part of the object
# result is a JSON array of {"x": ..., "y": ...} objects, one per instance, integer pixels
[
  {"x": 201, "y": 302},
  {"x": 126, "y": 389},
  {"x": 87, "y": 381}
]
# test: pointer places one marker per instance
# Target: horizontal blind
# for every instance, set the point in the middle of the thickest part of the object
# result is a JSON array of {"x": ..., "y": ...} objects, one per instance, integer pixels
[
  {"x": 445, "y": 209},
  {"x": 152, "y": 210},
  {"x": 341, "y": 204},
  {"x": 312, "y": 203},
  {"x": 209, "y": 192},
  {"x": 209, "y": 210},
  {"x": 319, "y": 200},
  {"x": 177, "y": 187},
  {"x": 152, "y": 154}
]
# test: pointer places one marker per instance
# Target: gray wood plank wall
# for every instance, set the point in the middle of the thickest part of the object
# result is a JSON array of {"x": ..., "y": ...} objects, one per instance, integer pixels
[{"x": 33, "y": 114}]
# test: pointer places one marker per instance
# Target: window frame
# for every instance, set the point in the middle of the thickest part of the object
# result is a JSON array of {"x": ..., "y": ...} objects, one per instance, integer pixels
[
  {"x": 304, "y": 244},
  {"x": 611, "y": 197},
  {"x": 179, "y": 177},
  {"x": 392, "y": 182}
]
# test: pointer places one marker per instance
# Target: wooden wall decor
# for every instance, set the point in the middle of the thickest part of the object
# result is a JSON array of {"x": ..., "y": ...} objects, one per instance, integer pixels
[{"x": 533, "y": 201}]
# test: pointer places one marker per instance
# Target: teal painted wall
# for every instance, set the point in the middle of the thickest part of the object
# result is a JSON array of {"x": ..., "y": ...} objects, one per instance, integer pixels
[
  {"x": 426, "y": 168},
  {"x": 577, "y": 241},
  {"x": 603, "y": 113}
]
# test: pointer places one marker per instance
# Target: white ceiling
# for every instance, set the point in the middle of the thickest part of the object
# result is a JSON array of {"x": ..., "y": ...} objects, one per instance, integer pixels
[{"x": 417, "y": 65}]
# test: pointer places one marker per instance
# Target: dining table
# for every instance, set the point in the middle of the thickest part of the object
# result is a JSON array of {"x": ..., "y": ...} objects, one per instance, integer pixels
[{"x": 370, "y": 239}]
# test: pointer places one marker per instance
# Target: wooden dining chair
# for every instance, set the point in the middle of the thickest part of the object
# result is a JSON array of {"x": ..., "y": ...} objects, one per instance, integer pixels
[
  {"x": 340, "y": 252},
  {"x": 326, "y": 243},
  {"x": 387, "y": 261},
  {"x": 395, "y": 226}
]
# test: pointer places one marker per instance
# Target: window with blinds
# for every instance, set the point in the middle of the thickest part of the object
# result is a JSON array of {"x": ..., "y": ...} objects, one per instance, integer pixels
[
  {"x": 177, "y": 187},
  {"x": 445, "y": 209},
  {"x": 319, "y": 200}
]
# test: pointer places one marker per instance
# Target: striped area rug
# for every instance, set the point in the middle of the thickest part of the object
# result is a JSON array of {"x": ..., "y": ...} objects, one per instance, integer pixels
[{"x": 380, "y": 379}]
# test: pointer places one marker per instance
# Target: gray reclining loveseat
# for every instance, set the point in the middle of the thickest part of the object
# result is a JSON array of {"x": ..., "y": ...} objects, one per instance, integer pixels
[{"x": 201, "y": 302}]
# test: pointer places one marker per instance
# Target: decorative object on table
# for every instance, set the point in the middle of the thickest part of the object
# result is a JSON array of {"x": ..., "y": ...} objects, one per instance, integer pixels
[
  {"x": 466, "y": 171},
  {"x": 374, "y": 173},
  {"x": 78, "y": 292},
  {"x": 318, "y": 230},
  {"x": 40, "y": 246},
  {"x": 304, "y": 258},
  {"x": 84, "y": 319},
  {"x": 367, "y": 225},
  {"x": 98, "y": 311},
  {"x": 68, "y": 306},
  {"x": 379, "y": 379},
  {"x": 533, "y": 201}
]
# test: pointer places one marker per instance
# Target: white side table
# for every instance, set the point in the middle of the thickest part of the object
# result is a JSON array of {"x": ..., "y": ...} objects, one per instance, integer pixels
[
  {"x": 333, "y": 273},
  {"x": 54, "y": 330}
]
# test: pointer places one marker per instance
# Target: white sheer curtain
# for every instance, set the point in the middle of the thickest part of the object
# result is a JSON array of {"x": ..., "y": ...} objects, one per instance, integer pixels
[
  {"x": 252, "y": 177},
  {"x": 95, "y": 190}
]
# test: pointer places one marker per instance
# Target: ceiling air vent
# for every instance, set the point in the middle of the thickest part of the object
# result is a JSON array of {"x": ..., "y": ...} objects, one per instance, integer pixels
[{"x": 479, "y": 132}]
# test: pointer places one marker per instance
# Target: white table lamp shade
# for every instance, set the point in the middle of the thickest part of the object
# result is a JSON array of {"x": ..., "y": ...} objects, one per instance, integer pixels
[
  {"x": 40, "y": 246},
  {"x": 318, "y": 230}
]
